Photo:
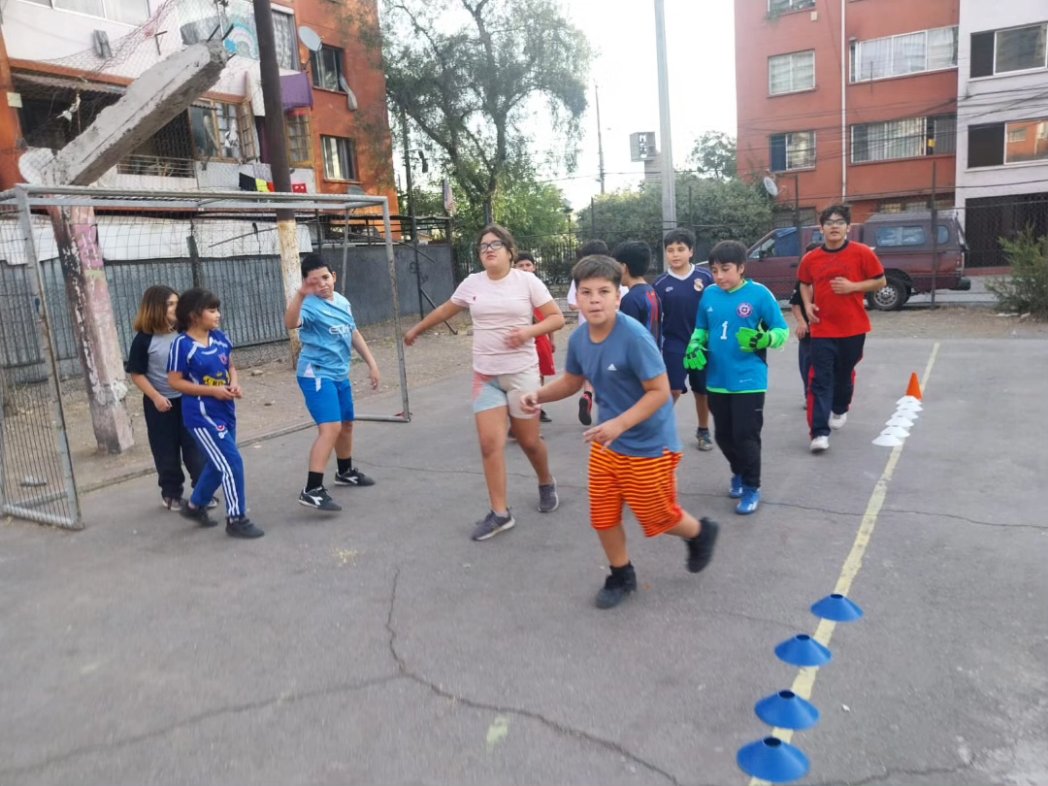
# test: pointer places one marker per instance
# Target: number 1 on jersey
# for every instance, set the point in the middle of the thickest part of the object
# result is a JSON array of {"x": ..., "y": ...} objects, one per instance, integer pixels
[{"x": 724, "y": 330}]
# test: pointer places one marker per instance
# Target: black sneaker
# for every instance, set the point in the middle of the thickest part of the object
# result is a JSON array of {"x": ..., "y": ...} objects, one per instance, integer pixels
[
  {"x": 199, "y": 515},
  {"x": 242, "y": 528},
  {"x": 586, "y": 410},
  {"x": 616, "y": 587},
  {"x": 318, "y": 499},
  {"x": 700, "y": 548},
  {"x": 353, "y": 478},
  {"x": 543, "y": 417}
]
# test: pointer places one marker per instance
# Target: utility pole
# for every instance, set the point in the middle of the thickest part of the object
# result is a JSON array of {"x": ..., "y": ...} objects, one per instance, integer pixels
[
  {"x": 669, "y": 195},
  {"x": 411, "y": 208},
  {"x": 287, "y": 232},
  {"x": 600, "y": 139},
  {"x": 934, "y": 228}
]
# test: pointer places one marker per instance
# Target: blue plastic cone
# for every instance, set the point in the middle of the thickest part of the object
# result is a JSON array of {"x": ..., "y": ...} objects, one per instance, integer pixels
[
  {"x": 837, "y": 608},
  {"x": 787, "y": 710},
  {"x": 803, "y": 650},
  {"x": 772, "y": 760}
]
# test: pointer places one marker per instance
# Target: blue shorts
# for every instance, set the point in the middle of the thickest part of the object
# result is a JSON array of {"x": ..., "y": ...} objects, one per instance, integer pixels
[
  {"x": 328, "y": 401},
  {"x": 677, "y": 374}
]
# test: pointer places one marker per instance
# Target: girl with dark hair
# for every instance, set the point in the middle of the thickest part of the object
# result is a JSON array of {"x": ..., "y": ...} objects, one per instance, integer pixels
[{"x": 501, "y": 301}]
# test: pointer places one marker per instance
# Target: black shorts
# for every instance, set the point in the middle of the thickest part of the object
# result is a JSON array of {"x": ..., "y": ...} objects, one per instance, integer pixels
[{"x": 681, "y": 377}]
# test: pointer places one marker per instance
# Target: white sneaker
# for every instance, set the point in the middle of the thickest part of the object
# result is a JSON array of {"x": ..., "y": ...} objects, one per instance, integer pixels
[
  {"x": 838, "y": 421},
  {"x": 819, "y": 444}
]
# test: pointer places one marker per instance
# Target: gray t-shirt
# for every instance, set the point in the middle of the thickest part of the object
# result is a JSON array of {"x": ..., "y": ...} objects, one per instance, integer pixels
[{"x": 148, "y": 356}]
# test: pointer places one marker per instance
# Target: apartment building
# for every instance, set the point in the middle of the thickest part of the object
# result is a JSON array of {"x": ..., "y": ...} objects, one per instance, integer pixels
[
  {"x": 1002, "y": 123},
  {"x": 63, "y": 61},
  {"x": 852, "y": 100}
]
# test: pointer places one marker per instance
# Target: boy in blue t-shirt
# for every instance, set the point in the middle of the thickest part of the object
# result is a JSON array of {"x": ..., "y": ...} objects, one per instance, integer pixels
[
  {"x": 641, "y": 302},
  {"x": 680, "y": 289},
  {"x": 736, "y": 322},
  {"x": 200, "y": 367},
  {"x": 634, "y": 449},
  {"x": 328, "y": 332}
]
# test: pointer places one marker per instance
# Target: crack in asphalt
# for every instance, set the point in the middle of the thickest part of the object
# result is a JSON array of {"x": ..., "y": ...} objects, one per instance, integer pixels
[
  {"x": 560, "y": 728},
  {"x": 891, "y": 774},
  {"x": 231, "y": 709}
]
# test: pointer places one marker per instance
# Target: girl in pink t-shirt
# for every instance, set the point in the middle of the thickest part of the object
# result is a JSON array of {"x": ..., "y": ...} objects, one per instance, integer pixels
[{"x": 501, "y": 301}]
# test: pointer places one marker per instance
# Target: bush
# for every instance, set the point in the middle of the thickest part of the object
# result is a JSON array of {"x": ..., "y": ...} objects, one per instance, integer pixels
[{"x": 1026, "y": 290}]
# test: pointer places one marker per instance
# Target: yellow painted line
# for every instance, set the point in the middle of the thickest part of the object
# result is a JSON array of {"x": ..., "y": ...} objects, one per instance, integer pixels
[{"x": 804, "y": 682}]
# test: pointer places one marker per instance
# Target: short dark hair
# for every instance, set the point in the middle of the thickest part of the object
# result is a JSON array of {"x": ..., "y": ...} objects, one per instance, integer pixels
[
  {"x": 521, "y": 256},
  {"x": 728, "y": 252},
  {"x": 192, "y": 303},
  {"x": 591, "y": 248},
  {"x": 311, "y": 262},
  {"x": 635, "y": 255},
  {"x": 597, "y": 266},
  {"x": 842, "y": 210},
  {"x": 679, "y": 235}
]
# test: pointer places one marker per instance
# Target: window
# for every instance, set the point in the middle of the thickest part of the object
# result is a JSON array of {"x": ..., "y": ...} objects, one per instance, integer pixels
[
  {"x": 214, "y": 130},
  {"x": 1016, "y": 49},
  {"x": 340, "y": 158},
  {"x": 903, "y": 236},
  {"x": 776, "y": 7},
  {"x": 1017, "y": 142},
  {"x": 792, "y": 151},
  {"x": 286, "y": 40},
  {"x": 298, "y": 147},
  {"x": 246, "y": 132},
  {"x": 910, "y": 138},
  {"x": 912, "y": 53},
  {"x": 327, "y": 69},
  {"x": 791, "y": 73},
  {"x": 132, "y": 12}
]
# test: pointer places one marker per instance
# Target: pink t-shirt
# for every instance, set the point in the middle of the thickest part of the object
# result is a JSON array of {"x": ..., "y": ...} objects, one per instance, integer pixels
[{"x": 497, "y": 308}]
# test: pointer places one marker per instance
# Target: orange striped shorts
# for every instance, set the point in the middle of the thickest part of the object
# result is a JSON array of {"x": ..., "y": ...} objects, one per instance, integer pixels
[{"x": 648, "y": 484}]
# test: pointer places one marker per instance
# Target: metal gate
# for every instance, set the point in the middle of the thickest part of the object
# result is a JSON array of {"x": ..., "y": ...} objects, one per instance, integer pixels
[{"x": 36, "y": 468}]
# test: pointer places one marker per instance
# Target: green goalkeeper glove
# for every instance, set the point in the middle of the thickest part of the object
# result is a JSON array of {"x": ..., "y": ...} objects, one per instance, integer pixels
[
  {"x": 695, "y": 354},
  {"x": 750, "y": 339}
]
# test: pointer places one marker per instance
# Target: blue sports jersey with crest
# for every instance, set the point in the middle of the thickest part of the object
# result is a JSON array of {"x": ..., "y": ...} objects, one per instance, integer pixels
[
  {"x": 327, "y": 338},
  {"x": 642, "y": 303},
  {"x": 204, "y": 365},
  {"x": 721, "y": 314},
  {"x": 616, "y": 367},
  {"x": 680, "y": 300}
]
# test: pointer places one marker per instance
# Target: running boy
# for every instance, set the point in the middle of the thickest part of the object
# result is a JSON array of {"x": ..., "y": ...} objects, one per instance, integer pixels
[
  {"x": 634, "y": 450},
  {"x": 680, "y": 289},
  {"x": 640, "y": 302},
  {"x": 544, "y": 347},
  {"x": 327, "y": 333},
  {"x": 737, "y": 321},
  {"x": 200, "y": 367}
]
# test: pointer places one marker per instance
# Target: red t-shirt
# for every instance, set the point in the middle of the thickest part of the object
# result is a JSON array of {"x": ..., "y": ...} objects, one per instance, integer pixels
[{"x": 840, "y": 316}]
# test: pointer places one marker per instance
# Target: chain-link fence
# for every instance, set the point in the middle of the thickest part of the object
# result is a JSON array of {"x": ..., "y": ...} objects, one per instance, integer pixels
[
  {"x": 988, "y": 219},
  {"x": 74, "y": 263}
]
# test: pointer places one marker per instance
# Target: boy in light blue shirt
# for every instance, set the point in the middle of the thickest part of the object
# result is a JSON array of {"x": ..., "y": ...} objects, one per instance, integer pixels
[
  {"x": 737, "y": 321},
  {"x": 329, "y": 334}
]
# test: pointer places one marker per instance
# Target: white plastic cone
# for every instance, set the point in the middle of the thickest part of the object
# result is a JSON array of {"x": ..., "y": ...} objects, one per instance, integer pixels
[
  {"x": 895, "y": 431},
  {"x": 897, "y": 420},
  {"x": 887, "y": 442},
  {"x": 908, "y": 400},
  {"x": 910, "y": 406}
]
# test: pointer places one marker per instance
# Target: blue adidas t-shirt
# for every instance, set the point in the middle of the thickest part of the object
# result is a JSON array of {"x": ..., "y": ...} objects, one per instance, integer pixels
[
  {"x": 680, "y": 300},
  {"x": 751, "y": 305},
  {"x": 204, "y": 365},
  {"x": 616, "y": 367},
  {"x": 327, "y": 338},
  {"x": 642, "y": 303}
]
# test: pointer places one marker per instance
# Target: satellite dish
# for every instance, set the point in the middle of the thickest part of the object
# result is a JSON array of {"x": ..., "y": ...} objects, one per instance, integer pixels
[
  {"x": 309, "y": 38},
  {"x": 770, "y": 186}
]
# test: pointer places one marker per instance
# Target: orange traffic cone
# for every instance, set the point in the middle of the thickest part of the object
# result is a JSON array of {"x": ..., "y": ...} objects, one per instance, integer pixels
[{"x": 914, "y": 388}]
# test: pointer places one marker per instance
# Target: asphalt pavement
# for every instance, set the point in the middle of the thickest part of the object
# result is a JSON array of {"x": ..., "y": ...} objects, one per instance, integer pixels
[{"x": 382, "y": 646}]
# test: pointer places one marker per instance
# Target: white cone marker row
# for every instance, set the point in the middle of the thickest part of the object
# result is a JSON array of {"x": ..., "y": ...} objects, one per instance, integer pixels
[{"x": 899, "y": 424}]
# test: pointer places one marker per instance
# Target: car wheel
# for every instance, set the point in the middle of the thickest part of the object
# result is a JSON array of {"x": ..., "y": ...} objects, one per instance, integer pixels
[{"x": 890, "y": 297}]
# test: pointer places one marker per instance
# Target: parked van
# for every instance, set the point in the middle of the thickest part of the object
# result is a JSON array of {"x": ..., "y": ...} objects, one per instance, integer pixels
[{"x": 902, "y": 241}]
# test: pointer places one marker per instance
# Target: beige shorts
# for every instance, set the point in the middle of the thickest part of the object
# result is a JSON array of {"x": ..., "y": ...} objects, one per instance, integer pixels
[{"x": 504, "y": 390}]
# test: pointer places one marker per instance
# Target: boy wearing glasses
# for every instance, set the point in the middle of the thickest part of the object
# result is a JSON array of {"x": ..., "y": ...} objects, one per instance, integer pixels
[{"x": 834, "y": 279}]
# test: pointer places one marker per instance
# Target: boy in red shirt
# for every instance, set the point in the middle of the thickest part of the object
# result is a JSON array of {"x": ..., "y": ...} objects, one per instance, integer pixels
[{"x": 833, "y": 282}]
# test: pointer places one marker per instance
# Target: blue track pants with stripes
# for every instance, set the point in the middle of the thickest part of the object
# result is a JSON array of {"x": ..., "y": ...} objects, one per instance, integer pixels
[{"x": 224, "y": 467}]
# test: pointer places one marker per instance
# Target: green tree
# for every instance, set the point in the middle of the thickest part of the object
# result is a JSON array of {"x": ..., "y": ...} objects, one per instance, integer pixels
[
  {"x": 468, "y": 90},
  {"x": 714, "y": 156},
  {"x": 1025, "y": 291}
]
